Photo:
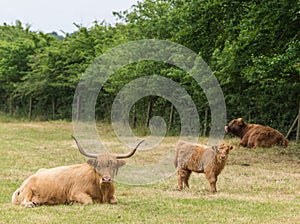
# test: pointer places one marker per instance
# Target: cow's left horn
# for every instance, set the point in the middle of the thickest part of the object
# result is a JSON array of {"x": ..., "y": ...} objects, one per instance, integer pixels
[
  {"x": 81, "y": 150},
  {"x": 124, "y": 156}
]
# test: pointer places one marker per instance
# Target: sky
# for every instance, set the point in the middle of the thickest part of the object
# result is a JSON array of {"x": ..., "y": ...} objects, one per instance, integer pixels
[{"x": 56, "y": 15}]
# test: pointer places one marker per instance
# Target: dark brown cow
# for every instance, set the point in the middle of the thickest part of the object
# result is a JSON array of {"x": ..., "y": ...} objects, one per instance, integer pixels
[
  {"x": 200, "y": 159},
  {"x": 255, "y": 135},
  {"x": 81, "y": 183}
]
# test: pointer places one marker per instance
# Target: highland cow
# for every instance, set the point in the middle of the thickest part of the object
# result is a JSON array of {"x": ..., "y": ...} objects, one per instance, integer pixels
[
  {"x": 200, "y": 159},
  {"x": 84, "y": 183},
  {"x": 255, "y": 135}
]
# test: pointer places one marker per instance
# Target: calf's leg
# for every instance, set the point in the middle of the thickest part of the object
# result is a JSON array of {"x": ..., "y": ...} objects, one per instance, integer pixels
[
  {"x": 213, "y": 187},
  {"x": 187, "y": 177},
  {"x": 212, "y": 179},
  {"x": 183, "y": 178}
]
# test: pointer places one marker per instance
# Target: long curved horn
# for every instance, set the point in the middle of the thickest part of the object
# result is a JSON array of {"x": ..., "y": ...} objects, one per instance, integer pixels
[
  {"x": 81, "y": 150},
  {"x": 124, "y": 156},
  {"x": 91, "y": 155}
]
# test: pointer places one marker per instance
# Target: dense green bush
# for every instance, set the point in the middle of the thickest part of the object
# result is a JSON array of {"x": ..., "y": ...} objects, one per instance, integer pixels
[{"x": 253, "y": 47}]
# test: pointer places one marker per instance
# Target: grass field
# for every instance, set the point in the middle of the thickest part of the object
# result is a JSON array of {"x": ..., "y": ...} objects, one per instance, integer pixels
[{"x": 267, "y": 191}]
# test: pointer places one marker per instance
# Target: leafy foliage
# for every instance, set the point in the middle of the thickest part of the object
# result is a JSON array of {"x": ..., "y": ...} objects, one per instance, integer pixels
[{"x": 253, "y": 47}]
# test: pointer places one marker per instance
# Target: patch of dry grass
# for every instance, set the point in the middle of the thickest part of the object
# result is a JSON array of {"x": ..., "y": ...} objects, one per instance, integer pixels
[{"x": 266, "y": 191}]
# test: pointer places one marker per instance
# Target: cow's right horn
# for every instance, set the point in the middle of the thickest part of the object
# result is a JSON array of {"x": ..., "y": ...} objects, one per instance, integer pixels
[{"x": 81, "y": 150}]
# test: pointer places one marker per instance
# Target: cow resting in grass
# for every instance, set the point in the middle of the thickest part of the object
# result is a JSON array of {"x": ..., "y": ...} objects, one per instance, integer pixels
[
  {"x": 255, "y": 135},
  {"x": 200, "y": 159},
  {"x": 81, "y": 183}
]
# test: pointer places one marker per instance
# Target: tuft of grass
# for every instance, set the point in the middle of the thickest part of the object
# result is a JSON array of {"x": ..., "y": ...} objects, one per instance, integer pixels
[{"x": 266, "y": 191}]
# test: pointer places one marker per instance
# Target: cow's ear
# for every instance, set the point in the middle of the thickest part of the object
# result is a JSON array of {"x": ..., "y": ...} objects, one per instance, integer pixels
[
  {"x": 92, "y": 162},
  {"x": 215, "y": 148},
  {"x": 241, "y": 121},
  {"x": 121, "y": 162}
]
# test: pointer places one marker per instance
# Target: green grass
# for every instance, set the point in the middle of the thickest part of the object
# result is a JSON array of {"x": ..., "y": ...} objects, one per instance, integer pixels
[{"x": 267, "y": 191}]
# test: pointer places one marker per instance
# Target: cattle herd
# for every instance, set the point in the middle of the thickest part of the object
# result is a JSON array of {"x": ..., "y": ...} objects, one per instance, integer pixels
[{"x": 92, "y": 182}]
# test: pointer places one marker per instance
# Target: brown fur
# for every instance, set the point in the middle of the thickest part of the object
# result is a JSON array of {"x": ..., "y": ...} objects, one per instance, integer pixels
[
  {"x": 255, "y": 135},
  {"x": 200, "y": 159},
  {"x": 82, "y": 183}
]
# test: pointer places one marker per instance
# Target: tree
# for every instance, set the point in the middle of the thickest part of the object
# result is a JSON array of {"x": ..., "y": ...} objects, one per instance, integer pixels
[{"x": 16, "y": 46}]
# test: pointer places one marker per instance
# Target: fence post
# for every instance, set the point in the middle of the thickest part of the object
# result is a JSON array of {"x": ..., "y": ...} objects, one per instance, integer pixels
[{"x": 298, "y": 127}]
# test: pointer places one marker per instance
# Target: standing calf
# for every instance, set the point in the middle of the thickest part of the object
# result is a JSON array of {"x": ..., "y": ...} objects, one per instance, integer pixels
[
  {"x": 81, "y": 183},
  {"x": 200, "y": 159}
]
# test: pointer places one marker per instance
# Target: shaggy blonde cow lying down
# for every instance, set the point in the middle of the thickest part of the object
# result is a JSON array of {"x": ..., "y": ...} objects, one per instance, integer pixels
[{"x": 81, "y": 183}]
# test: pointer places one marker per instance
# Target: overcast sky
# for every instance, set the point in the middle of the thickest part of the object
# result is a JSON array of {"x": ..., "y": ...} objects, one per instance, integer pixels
[{"x": 56, "y": 15}]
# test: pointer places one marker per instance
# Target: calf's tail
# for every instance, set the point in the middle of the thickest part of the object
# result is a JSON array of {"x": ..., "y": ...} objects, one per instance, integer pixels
[{"x": 176, "y": 160}]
